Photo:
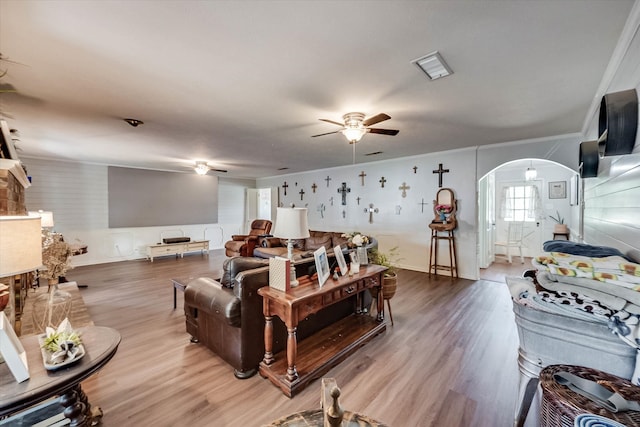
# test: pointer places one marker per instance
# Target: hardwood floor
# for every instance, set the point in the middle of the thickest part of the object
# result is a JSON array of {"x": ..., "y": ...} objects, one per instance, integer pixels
[
  {"x": 450, "y": 359},
  {"x": 500, "y": 268}
]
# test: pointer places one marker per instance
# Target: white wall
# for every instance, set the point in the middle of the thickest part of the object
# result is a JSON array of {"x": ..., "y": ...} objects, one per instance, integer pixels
[
  {"x": 77, "y": 195},
  {"x": 408, "y": 229},
  {"x": 612, "y": 199}
]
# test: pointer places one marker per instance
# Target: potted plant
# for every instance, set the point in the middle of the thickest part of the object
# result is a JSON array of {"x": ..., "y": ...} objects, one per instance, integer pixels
[
  {"x": 560, "y": 226},
  {"x": 390, "y": 279}
]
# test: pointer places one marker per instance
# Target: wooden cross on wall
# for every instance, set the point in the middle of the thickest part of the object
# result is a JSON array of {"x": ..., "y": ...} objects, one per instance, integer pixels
[
  {"x": 439, "y": 171},
  {"x": 285, "y": 186},
  {"x": 344, "y": 190},
  {"x": 423, "y": 203},
  {"x": 362, "y": 175},
  {"x": 404, "y": 187},
  {"x": 328, "y": 178},
  {"x": 301, "y": 193},
  {"x": 371, "y": 210},
  {"x": 382, "y": 181},
  {"x": 313, "y": 187}
]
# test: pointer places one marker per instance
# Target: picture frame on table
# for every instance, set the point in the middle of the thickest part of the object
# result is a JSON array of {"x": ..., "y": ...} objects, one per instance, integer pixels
[
  {"x": 12, "y": 350},
  {"x": 322, "y": 264},
  {"x": 342, "y": 263},
  {"x": 558, "y": 189}
]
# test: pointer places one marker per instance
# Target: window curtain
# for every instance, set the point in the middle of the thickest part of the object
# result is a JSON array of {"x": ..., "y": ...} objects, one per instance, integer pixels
[
  {"x": 505, "y": 202},
  {"x": 535, "y": 204}
]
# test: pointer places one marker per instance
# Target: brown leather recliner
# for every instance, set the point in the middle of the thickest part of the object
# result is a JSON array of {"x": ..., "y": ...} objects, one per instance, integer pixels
[{"x": 243, "y": 244}]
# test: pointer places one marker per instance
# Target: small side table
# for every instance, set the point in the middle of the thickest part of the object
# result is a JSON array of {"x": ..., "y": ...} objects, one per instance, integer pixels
[
  {"x": 178, "y": 285},
  {"x": 560, "y": 405}
]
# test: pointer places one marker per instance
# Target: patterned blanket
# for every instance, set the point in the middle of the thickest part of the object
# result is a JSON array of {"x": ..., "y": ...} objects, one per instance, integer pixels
[{"x": 615, "y": 270}]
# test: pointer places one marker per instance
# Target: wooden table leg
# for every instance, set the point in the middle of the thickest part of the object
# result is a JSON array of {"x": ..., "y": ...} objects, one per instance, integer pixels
[
  {"x": 292, "y": 351},
  {"x": 268, "y": 340},
  {"x": 74, "y": 408},
  {"x": 380, "y": 317}
]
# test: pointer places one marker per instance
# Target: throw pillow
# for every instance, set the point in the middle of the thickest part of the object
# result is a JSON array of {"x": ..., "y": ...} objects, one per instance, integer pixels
[{"x": 313, "y": 243}]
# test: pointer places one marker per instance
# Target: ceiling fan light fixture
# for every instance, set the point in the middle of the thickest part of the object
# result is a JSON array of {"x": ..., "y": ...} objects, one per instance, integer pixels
[
  {"x": 202, "y": 168},
  {"x": 530, "y": 174},
  {"x": 433, "y": 65},
  {"x": 354, "y": 134}
]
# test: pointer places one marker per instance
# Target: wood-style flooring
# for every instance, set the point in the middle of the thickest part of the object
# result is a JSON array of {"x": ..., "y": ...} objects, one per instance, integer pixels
[{"x": 450, "y": 359}]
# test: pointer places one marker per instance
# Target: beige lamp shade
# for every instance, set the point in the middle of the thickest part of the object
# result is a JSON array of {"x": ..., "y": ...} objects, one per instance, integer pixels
[
  {"x": 20, "y": 244},
  {"x": 46, "y": 218},
  {"x": 291, "y": 223}
]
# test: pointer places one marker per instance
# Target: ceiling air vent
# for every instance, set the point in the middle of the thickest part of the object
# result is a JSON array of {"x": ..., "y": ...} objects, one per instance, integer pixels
[{"x": 433, "y": 66}]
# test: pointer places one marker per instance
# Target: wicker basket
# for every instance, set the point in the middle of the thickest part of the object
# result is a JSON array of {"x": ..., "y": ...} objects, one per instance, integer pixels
[{"x": 560, "y": 405}]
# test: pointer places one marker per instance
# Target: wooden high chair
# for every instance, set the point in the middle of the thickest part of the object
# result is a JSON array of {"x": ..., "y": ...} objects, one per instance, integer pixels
[{"x": 443, "y": 230}]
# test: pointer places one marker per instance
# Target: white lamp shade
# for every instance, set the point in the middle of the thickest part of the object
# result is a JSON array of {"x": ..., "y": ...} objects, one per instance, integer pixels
[
  {"x": 46, "y": 218},
  {"x": 291, "y": 223},
  {"x": 20, "y": 244}
]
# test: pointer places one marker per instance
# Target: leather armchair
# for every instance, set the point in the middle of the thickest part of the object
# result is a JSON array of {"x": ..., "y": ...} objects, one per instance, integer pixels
[{"x": 243, "y": 244}]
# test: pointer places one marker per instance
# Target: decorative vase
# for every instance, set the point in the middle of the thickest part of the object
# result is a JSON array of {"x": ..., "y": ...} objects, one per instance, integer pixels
[
  {"x": 363, "y": 258},
  {"x": 442, "y": 217},
  {"x": 51, "y": 308}
]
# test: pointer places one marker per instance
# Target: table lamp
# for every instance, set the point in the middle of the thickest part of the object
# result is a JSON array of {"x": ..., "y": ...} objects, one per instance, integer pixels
[
  {"x": 291, "y": 224},
  {"x": 46, "y": 220},
  {"x": 20, "y": 250}
]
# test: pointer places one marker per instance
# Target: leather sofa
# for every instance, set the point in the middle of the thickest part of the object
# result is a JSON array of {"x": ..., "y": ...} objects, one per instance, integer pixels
[
  {"x": 269, "y": 247},
  {"x": 227, "y": 317}
]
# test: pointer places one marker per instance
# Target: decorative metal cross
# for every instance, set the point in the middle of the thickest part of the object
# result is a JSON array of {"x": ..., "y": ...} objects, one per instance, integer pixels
[
  {"x": 321, "y": 209},
  {"x": 313, "y": 187},
  {"x": 328, "y": 178},
  {"x": 423, "y": 203},
  {"x": 344, "y": 190},
  {"x": 404, "y": 187},
  {"x": 440, "y": 171},
  {"x": 285, "y": 186},
  {"x": 362, "y": 175},
  {"x": 358, "y": 199},
  {"x": 398, "y": 209},
  {"x": 371, "y": 210},
  {"x": 344, "y": 213},
  {"x": 382, "y": 181},
  {"x": 301, "y": 193},
  {"x": 331, "y": 200},
  {"x": 415, "y": 169}
]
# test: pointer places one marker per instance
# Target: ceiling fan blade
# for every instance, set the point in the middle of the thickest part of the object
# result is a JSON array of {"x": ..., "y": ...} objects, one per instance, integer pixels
[
  {"x": 383, "y": 131},
  {"x": 376, "y": 119},
  {"x": 323, "y": 134},
  {"x": 332, "y": 122}
]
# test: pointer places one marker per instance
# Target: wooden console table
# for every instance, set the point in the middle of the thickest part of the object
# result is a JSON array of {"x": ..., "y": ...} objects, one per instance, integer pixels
[
  {"x": 101, "y": 344},
  {"x": 177, "y": 248},
  {"x": 322, "y": 351}
]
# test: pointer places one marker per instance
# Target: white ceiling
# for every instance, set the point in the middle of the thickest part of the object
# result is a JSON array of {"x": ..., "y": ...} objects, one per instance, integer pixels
[{"x": 242, "y": 84}]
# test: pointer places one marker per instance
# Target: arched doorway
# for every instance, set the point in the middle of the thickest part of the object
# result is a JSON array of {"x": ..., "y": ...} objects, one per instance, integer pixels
[{"x": 506, "y": 195}]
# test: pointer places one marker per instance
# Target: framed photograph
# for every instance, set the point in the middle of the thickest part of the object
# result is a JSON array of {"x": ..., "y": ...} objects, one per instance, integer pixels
[
  {"x": 322, "y": 264},
  {"x": 341, "y": 261},
  {"x": 12, "y": 350},
  {"x": 558, "y": 190}
]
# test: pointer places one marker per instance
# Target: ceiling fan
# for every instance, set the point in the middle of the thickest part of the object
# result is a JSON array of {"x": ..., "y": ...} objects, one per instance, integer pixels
[{"x": 355, "y": 126}]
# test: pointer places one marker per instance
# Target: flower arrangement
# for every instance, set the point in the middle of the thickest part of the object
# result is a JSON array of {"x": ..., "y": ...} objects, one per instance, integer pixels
[
  {"x": 56, "y": 256},
  {"x": 356, "y": 238},
  {"x": 443, "y": 209},
  {"x": 62, "y": 344}
]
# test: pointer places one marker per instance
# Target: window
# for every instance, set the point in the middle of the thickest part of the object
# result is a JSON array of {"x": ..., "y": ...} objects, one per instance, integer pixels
[{"x": 520, "y": 203}]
